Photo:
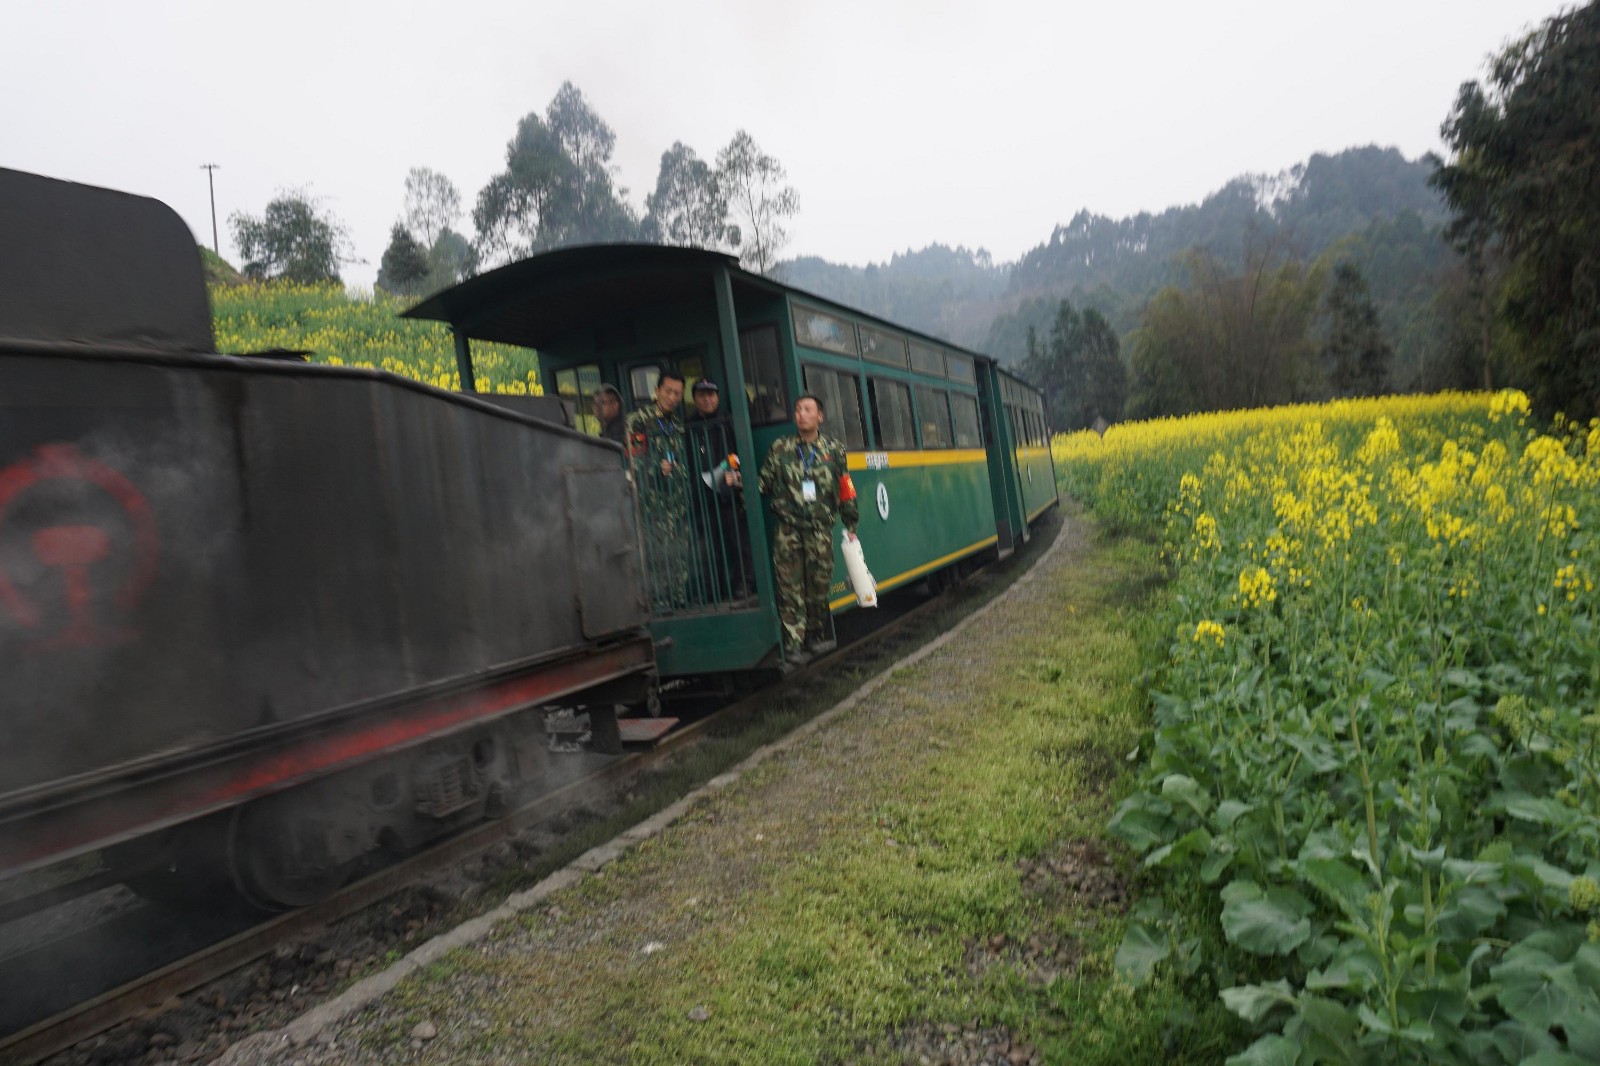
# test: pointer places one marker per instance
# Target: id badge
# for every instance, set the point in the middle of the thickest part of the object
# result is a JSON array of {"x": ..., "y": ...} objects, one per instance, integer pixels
[{"x": 808, "y": 490}]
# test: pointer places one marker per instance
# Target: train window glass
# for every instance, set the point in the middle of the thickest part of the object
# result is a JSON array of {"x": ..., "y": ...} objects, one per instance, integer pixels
[
  {"x": 881, "y": 346},
  {"x": 693, "y": 368},
  {"x": 891, "y": 414},
  {"x": 818, "y": 329},
  {"x": 965, "y": 412},
  {"x": 960, "y": 368},
  {"x": 763, "y": 375},
  {"x": 841, "y": 402},
  {"x": 927, "y": 359},
  {"x": 933, "y": 415},
  {"x": 575, "y": 385},
  {"x": 642, "y": 384}
]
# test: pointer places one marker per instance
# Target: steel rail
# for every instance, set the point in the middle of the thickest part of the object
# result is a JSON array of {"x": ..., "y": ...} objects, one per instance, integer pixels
[{"x": 94, "y": 1016}]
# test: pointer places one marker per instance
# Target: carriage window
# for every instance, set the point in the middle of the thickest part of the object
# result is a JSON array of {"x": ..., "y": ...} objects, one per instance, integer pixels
[
  {"x": 965, "y": 410},
  {"x": 891, "y": 414},
  {"x": 959, "y": 367},
  {"x": 927, "y": 359},
  {"x": 881, "y": 346},
  {"x": 933, "y": 415},
  {"x": 818, "y": 329},
  {"x": 841, "y": 401},
  {"x": 642, "y": 383},
  {"x": 575, "y": 385},
  {"x": 763, "y": 376}
]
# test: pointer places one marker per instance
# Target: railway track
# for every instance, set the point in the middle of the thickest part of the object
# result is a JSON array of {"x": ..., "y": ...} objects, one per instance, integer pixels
[{"x": 144, "y": 994}]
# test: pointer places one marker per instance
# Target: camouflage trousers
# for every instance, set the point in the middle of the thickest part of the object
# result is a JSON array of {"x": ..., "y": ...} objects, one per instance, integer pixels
[
  {"x": 802, "y": 562},
  {"x": 666, "y": 556}
]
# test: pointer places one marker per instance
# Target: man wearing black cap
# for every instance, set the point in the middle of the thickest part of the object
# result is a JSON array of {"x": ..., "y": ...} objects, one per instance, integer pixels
[{"x": 725, "y": 559}]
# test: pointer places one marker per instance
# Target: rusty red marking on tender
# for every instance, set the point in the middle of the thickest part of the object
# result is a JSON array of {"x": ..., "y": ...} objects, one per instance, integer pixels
[
  {"x": 127, "y": 810},
  {"x": 74, "y": 549}
]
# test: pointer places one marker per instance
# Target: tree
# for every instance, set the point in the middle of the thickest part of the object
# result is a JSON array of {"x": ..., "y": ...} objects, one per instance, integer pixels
[
  {"x": 758, "y": 200},
  {"x": 1523, "y": 181},
  {"x": 450, "y": 260},
  {"x": 1227, "y": 340},
  {"x": 600, "y": 214},
  {"x": 526, "y": 207},
  {"x": 432, "y": 205},
  {"x": 1356, "y": 357},
  {"x": 404, "y": 266},
  {"x": 296, "y": 239},
  {"x": 688, "y": 207},
  {"x": 1080, "y": 370},
  {"x": 557, "y": 186}
]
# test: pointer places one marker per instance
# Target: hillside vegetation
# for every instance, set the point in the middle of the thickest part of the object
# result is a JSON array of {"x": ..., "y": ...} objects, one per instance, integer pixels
[
  {"x": 1370, "y": 206},
  {"x": 342, "y": 330}
]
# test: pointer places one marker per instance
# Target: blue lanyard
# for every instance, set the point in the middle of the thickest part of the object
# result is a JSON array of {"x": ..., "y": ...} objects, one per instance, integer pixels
[
  {"x": 808, "y": 455},
  {"x": 662, "y": 426}
]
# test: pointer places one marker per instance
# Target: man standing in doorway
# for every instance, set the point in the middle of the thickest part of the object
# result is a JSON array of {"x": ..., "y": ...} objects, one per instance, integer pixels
[
  {"x": 725, "y": 558},
  {"x": 806, "y": 478},
  {"x": 607, "y": 405},
  {"x": 661, "y": 472}
]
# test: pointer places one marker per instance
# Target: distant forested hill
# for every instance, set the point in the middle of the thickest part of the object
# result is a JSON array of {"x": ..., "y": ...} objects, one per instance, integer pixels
[
  {"x": 950, "y": 292},
  {"x": 1369, "y": 205}
]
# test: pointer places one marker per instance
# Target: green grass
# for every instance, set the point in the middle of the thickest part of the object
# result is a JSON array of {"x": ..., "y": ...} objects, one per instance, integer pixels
[{"x": 832, "y": 899}]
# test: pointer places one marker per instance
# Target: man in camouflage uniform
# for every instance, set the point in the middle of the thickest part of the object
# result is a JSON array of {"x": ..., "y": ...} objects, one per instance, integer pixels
[
  {"x": 807, "y": 481},
  {"x": 656, "y": 450}
]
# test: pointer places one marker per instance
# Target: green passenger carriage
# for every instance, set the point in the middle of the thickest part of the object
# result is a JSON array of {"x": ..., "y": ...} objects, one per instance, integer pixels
[{"x": 948, "y": 452}]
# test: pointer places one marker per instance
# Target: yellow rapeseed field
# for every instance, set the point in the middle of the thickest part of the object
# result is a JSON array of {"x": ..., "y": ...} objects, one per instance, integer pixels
[
  {"x": 340, "y": 330},
  {"x": 1377, "y": 719}
]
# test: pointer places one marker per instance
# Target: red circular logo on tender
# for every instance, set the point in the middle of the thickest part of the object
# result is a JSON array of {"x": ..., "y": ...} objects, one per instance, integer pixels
[{"x": 73, "y": 549}]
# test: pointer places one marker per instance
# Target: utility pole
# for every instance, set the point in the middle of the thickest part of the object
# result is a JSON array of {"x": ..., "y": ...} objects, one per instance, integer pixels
[{"x": 211, "y": 180}]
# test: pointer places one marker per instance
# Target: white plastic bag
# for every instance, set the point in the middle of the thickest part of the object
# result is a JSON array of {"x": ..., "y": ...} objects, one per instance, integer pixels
[{"x": 861, "y": 581}]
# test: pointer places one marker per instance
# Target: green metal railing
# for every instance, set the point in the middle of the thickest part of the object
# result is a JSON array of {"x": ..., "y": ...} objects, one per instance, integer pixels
[{"x": 697, "y": 550}]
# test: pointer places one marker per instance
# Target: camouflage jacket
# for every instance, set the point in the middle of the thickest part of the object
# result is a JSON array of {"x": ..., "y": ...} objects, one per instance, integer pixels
[
  {"x": 652, "y": 437},
  {"x": 789, "y": 463}
]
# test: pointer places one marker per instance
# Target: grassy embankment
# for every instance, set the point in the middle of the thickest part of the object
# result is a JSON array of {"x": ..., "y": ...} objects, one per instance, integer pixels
[{"x": 930, "y": 863}]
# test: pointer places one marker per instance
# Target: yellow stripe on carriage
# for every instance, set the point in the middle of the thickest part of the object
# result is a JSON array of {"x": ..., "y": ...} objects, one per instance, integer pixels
[
  {"x": 933, "y": 457},
  {"x": 900, "y": 579}
]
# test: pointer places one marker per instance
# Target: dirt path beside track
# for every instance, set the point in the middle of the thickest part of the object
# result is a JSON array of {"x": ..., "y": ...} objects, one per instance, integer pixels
[{"x": 914, "y": 876}]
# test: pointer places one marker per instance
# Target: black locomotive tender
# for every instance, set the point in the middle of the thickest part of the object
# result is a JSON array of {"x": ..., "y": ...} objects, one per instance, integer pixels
[{"x": 260, "y": 619}]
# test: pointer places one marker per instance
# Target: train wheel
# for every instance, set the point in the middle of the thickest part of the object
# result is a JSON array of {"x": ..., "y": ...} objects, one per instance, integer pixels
[{"x": 276, "y": 859}]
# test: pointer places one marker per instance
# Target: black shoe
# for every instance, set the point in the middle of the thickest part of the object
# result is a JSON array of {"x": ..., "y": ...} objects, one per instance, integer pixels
[
  {"x": 798, "y": 657},
  {"x": 821, "y": 647}
]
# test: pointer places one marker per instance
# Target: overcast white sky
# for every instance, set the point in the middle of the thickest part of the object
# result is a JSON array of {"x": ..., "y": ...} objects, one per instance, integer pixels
[{"x": 982, "y": 123}]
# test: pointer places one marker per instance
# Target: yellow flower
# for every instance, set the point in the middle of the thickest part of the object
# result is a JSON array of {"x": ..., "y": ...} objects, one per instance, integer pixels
[
  {"x": 1508, "y": 402},
  {"x": 1206, "y": 629},
  {"x": 1255, "y": 587}
]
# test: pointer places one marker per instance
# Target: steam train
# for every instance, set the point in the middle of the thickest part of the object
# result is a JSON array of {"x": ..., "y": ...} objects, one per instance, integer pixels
[{"x": 261, "y": 620}]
